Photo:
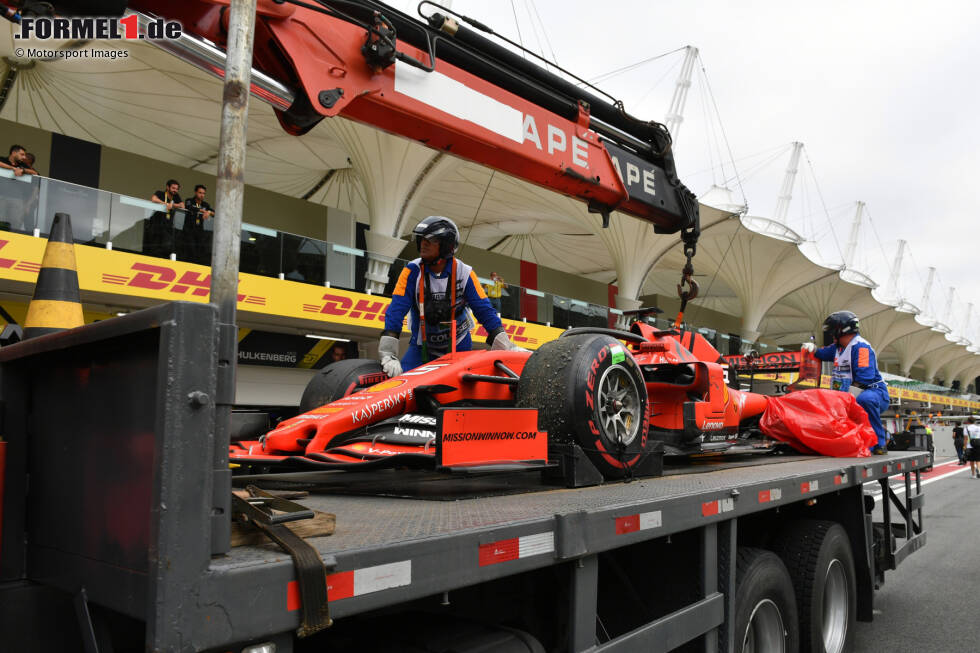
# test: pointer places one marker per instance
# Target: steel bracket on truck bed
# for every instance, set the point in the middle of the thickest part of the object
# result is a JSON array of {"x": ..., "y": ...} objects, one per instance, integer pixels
[{"x": 896, "y": 540}]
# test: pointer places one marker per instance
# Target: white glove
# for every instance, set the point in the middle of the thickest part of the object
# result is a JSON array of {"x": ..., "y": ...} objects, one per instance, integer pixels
[
  {"x": 388, "y": 349},
  {"x": 854, "y": 390},
  {"x": 809, "y": 347},
  {"x": 501, "y": 341}
]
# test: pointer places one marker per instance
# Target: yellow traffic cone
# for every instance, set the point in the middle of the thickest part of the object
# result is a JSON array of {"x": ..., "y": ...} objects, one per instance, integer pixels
[{"x": 55, "y": 306}]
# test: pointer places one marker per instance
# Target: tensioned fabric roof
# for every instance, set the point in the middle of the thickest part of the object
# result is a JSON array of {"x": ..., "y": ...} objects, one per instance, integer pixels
[{"x": 155, "y": 105}]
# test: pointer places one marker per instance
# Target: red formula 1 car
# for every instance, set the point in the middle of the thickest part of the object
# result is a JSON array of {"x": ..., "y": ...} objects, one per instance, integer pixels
[{"x": 604, "y": 396}]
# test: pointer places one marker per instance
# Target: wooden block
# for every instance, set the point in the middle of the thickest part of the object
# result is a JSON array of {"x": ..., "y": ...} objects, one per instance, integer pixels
[{"x": 323, "y": 523}]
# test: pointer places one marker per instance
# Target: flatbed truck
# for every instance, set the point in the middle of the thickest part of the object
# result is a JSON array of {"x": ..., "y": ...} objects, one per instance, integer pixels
[{"x": 114, "y": 535}]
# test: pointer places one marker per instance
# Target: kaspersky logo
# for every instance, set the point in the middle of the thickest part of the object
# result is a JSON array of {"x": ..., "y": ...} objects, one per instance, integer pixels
[{"x": 97, "y": 27}]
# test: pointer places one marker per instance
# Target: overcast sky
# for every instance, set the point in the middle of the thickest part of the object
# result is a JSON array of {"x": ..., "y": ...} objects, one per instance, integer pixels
[{"x": 885, "y": 97}]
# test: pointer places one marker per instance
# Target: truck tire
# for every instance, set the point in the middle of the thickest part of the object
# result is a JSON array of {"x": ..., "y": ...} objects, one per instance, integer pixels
[
  {"x": 340, "y": 379},
  {"x": 821, "y": 565},
  {"x": 765, "y": 606},
  {"x": 589, "y": 391}
]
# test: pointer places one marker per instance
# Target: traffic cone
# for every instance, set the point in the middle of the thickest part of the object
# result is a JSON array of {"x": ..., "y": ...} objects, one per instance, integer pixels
[{"x": 55, "y": 306}]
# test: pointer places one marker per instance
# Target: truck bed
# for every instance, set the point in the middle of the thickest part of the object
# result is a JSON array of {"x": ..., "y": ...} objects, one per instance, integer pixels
[{"x": 393, "y": 548}]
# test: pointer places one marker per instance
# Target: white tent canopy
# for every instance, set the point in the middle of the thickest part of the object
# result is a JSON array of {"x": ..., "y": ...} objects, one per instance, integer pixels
[{"x": 750, "y": 267}]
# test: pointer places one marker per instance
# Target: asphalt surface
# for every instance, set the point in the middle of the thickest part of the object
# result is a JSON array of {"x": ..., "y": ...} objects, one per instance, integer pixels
[{"x": 927, "y": 603}]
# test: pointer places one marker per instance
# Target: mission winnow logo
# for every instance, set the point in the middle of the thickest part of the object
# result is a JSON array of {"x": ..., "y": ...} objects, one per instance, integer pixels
[{"x": 97, "y": 27}]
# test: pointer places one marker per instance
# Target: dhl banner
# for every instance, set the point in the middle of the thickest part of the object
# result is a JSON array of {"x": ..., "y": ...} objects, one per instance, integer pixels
[
  {"x": 936, "y": 400},
  {"x": 123, "y": 273},
  {"x": 893, "y": 391}
]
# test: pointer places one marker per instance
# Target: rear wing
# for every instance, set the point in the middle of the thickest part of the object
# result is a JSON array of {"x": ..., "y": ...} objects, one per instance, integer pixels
[{"x": 802, "y": 362}]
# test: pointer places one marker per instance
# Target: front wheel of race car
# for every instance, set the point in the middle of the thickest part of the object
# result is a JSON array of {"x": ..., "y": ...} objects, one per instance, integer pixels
[
  {"x": 340, "y": 379},
  {"x": 589, "y": 391}
]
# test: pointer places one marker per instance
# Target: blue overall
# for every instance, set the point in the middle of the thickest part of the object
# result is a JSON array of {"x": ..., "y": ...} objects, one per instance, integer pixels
[
  {"x": 405, "y": 301},
  {"x": 857, "y": 364}
]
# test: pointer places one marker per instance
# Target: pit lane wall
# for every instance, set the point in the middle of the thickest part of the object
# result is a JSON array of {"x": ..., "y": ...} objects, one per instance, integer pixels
[{"x": 108, "y": 273}]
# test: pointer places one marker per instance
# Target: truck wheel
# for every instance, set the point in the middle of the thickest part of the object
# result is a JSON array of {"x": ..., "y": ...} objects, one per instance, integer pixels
[
  {"x": 340, "y": 379},
  {"x": 765, "y": 607},
  {"x": 818, "y": 555},
  {"x": 589, "y": 391}
]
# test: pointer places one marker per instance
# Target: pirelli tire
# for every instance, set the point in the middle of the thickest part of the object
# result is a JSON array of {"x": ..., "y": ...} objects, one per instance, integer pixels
[
  {"x": 589, "y": 391},
  {"x": 821, "y": 564},
  {"x": 340, "y": 379},
  {"x": 765, "y": 619}
]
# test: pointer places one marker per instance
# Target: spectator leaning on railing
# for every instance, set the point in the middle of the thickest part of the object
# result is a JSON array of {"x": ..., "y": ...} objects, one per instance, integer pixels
[
  {"x": 196, "y": 239},
  {"x": 169, "y": 196},
  {"x": 18, "y": 161},
  {"x": 158, "y": 233}
]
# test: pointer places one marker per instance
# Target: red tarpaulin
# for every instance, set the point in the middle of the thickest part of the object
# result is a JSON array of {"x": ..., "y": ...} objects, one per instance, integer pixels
[{"x": 826, "y": 422}]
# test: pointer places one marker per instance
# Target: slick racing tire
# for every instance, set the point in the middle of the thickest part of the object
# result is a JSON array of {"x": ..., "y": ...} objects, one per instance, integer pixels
[
  {"x": 589, "y": 391},
  {"x": 765, "y": 606},
  {"x": 340, "y": 379},
  {"x": 820, "y": 562}
]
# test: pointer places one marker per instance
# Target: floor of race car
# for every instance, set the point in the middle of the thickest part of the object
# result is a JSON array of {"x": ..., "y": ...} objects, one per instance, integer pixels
[{"x": 437, "y": 486}]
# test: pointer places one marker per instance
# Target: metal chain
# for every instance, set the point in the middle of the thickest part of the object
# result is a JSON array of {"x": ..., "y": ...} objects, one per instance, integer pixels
[{"x": 687, "y": 278}]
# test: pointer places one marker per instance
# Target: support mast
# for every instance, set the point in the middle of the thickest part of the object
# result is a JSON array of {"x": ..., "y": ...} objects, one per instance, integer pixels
[
  {"x": 786, "y": 190},
  {"x": 675, "y": 115},
  {"x": 852, "y": 241}
]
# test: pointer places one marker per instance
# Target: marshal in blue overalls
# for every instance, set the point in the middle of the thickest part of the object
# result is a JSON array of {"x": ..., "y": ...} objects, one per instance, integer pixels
[
  {"x": 855, "y": 370},
  {"x": 435, "y": 290}
]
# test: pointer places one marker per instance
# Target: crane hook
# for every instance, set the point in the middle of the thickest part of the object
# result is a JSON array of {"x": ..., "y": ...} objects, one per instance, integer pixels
[{"x": 687, "y": 278}]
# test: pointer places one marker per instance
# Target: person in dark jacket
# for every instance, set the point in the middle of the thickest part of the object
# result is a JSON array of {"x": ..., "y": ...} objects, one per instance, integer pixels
[{"x": 958, "y": 443}]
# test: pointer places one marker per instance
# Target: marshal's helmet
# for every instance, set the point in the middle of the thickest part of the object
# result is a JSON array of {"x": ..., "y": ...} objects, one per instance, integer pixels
[
  {"x": 840, "y": 323},
  {"x": 441, "y": 229}
]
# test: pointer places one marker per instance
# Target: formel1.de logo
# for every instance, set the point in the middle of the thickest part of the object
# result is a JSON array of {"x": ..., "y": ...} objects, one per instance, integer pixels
[{"x": 97, "y": 27}]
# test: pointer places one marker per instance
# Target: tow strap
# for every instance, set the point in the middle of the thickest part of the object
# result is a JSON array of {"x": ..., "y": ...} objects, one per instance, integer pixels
[{"x": 311, "y": 573}]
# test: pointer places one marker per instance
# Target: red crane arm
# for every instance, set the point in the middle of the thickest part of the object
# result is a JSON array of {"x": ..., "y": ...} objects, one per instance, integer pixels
[{"x": 330, "y": 55}]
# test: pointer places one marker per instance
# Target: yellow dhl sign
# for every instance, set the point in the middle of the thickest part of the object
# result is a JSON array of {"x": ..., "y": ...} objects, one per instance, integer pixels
[
  {"x": 123, "y": 273},
  {"x": 916, "y": 395},
  {"x": 895, "y": 392}
]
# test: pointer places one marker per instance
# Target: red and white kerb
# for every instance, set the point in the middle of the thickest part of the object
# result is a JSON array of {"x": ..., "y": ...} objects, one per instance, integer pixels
[
  {"x": 345, "y": 584},
  {"x": 516, "y": 548},
  {"x": 639, "y": 522}
]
